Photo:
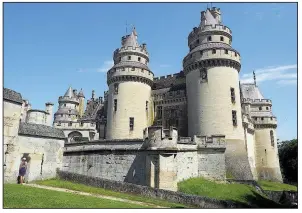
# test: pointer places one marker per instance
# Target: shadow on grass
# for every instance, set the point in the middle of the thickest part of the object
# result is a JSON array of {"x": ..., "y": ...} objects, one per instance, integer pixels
[{"x": 258, "y": 201}]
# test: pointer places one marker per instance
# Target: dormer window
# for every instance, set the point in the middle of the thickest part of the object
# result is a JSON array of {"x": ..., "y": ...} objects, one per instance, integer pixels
[{"x": 209, "y": 38}]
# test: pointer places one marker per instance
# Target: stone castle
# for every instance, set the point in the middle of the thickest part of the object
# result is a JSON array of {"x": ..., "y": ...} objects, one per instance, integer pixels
[{"x": 157, "y": 131}]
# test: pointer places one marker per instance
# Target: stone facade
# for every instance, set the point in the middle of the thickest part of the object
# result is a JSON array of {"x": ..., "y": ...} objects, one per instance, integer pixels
[{"x": 40, "y": 144}]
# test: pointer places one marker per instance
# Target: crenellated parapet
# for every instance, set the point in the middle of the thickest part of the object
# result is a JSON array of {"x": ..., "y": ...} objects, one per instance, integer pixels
[
  {"x": 265, "y": 122},
  {"x": 158, "y": 138}
]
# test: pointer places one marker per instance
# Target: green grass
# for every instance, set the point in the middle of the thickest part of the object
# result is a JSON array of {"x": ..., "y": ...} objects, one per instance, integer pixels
[
  {"x": 22, "y": 196},
  {"x": 276, "y": 186},
  {"x": 241, "y": 193},
  {"x": 94, "y": 190}
]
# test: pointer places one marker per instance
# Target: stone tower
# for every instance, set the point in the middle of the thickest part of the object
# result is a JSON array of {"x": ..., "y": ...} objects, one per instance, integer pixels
[
  {"x": 212, "y": 79},
  {"x": 81, "y": 102},
  {"x": 68, "y": 108},
  {"x": 49, "y": 109},
  {"x": 129, "y": 95}
]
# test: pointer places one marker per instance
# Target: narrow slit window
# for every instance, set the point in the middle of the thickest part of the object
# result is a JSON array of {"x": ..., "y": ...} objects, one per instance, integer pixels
[
  {"x": 147, "y": 103},
  {"x": 272, "y": 138},
  {"x": 234, "y": 117},
  {"x": 131, "y": 123},
  {"x": 139, "y": 58},
  {"x": 214, "y": 51},
  {"x": 116, "y": 88},
  {"x": 232, "y": 95},
  {"x": 159, "y": 112},
  {"x": 204, "y": 74},
  {"x": 226, "y": 51},
  {"x": 221, "y": 38},
  {"x": 129, "y": 57},
  {"x": 209, "y": 38},
  {"x": 115, "y": 105}
]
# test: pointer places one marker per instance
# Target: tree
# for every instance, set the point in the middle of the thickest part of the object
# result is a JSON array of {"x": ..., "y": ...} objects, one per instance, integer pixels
[{"x": 288, "y": 158}]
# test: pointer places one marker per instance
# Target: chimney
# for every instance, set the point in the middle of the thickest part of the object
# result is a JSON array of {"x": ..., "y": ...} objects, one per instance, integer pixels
[{"x": 49, "y": 117}]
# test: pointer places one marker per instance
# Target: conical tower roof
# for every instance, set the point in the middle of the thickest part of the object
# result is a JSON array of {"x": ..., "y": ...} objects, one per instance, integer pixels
[
  {"x": 131, "y": 40},
  {"x": 81, "y": 94},
  {"x": 208, "y": 19},
  {"x": 69, "y": 93}
]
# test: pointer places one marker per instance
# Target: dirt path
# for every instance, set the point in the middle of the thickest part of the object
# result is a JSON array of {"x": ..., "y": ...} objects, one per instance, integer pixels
[{"x": 94, "y": 195}]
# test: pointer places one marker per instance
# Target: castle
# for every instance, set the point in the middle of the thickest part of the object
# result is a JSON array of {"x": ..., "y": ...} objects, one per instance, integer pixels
[{"x": 157, "y": 131}]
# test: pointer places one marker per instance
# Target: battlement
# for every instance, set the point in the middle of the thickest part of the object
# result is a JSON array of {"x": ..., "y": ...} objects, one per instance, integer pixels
[
  {"x": 156, "y": 137},
  {"x": 74, "y": 125},
  {"x": 208, "y": 29},
  {"x": 172, "y": 76},
  {"x": 265, "y": 121},
  {"x": 169, "y": 95},
  {"x": 67, "y": 99},
  {"x": 140, "y": 49},
  {"x": 214, "y": 141},
  {"x": 256, "y": 101}
]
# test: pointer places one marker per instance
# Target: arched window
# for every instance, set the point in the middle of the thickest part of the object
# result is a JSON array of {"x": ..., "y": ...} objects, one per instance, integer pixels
[
  {"x": 73, "y": 135},
  {"x": 272, "y": 138}
]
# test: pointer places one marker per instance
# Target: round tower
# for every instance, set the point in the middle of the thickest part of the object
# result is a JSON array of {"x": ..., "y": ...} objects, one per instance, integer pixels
[
  {"x": 68, "y": 109},
  {"x": 81, "y": 97},
  {"x": 212, "y": 78},
  {"x": 129, "y": 95},
  {"x": 213, "y": 96}
]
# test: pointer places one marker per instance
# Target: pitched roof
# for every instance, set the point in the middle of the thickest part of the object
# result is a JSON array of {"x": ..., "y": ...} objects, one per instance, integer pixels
[
  {"x": 131, "y": 40},
  {"x": 209, "y": 19},
  {"x": 81, "y": 93},
  {"x": 40, "y": 130},
  {"x": 12, "y": 95},
  {"x": 251, "y": 91}
]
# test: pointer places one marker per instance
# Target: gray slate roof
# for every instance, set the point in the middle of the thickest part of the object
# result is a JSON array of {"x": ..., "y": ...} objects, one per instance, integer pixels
[
  {"x": 81, "y": 93},
  {"x": 65, "y": 111},
  {"x": 131, "y": 40},
  {"x": 12, "y": 95},
  {"x": 40, "y": 130},
  {"x": 69, "y": 93},
  {"x": 251, "y": 91},
  {"x": 210, "y": 20}
]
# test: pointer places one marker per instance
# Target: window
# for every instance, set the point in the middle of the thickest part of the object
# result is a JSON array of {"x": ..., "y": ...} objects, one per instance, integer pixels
[
  {"x": 271, "y": 118},
  {"x": 139, "y": 58},
  {"x": 115, "y": 105},
  {"x": 70, "y": 124},
  {"x": 119, "y": 59},
  {"x": 203, "y": 74},
  {"x": 142, "y": 70},
  {"x": 260, "y": 108},
  {"x": 267, "y": 108},
  {"x": 197, "y": 41},
  {"x": 235, "y": 54},
  {"x": 226, "y": 51},
  {"x": 262, "y": 119},
  {"x": 159, "y": 112},
  {"x": 59, "y": 124},
  {"x": 61, "y": 115},
  {"x": 272, "y": 138},
  {"x": 234, "y": 117},
  {"x": 132, "y": 69},
  {"x": 129, "y": 57},
  {"x": 81, "y": 124},
  {"x": 64, "y": 105},
  {"x": 116, "y": 88},
  {"x": 131, "y": 123},
  {"x": 147, "y": 105},
  {"x": 123, "y": 69},
  {"x": 232, "y": 95},
  {"x": 209, "y": 38},
  {"x": 191, "y": 56},
  {"x": 214, "y": 51},
  {"x": 221, "y": 38},
  {"x": 201, "y": 52},
  {"x": 255, "y": 118}
]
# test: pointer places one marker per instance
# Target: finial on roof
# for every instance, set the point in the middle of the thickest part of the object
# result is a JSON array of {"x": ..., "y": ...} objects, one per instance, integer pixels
[
  {"x": 93, "y": 94},
  {"x": 254, "y": 77}
]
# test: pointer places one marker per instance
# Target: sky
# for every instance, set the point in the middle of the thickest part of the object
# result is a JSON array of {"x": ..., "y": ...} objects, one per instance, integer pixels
[{"x": 51, "y": 46}]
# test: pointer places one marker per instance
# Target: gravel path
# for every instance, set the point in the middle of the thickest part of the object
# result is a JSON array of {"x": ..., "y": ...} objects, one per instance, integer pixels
[{"x": 94, "y": 195}]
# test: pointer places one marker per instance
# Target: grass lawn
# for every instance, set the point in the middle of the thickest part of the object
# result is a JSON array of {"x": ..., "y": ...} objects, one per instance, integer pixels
[
  {"x": 94, "y": 190},
  {"x": 244, "y": 194},
  {"x": 275, "y": 186},
  {"x": 22, "y": 196}
]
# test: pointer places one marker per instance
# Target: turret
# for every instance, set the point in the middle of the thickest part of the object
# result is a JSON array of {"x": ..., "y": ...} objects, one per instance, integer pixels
[
  {"x": 49, "y": 116},
  {"x": 129, "y": 82},
  {"x": 81, "y": 103}
]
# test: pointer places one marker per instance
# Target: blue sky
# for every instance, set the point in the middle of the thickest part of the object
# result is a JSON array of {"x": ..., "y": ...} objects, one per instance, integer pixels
[{"x": 49, "y": 46}]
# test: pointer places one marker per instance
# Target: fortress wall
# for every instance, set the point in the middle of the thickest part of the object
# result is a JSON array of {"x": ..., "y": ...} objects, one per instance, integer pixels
[
  {"x": 187, "y": 163},
  {"x": 250, "y": 145}
]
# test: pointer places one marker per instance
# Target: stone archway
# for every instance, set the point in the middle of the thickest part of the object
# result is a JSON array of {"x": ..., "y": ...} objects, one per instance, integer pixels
[{"x": 73, "y": 135}]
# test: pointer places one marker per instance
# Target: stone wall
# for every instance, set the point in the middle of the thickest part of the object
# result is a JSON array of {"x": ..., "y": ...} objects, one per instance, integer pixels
[{"x": 177, "y": 197}]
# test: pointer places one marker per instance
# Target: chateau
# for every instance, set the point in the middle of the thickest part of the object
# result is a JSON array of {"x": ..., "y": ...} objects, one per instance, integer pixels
[{"x": 157, "y": 131}]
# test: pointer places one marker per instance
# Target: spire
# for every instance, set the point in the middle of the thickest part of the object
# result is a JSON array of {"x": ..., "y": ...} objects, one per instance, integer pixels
[
  {"x": 81, "y": 93},
  {"x": 254, "y": 78},
  {"x": 69, "y": 93},
  {"x": 93, "y": 93}
]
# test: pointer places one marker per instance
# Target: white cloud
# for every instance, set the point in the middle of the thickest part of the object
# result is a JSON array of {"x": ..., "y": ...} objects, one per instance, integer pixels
[
  {"x": 106, "y": 66},
  {"x": 283, "y": 75},
  {"x": 287, "y": 82}
]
